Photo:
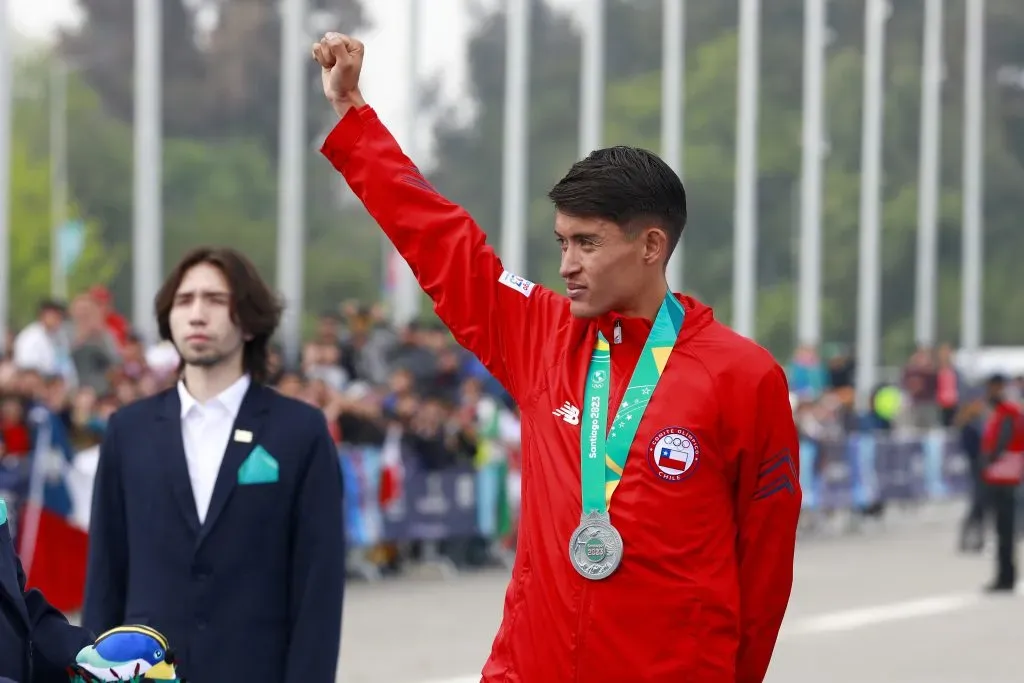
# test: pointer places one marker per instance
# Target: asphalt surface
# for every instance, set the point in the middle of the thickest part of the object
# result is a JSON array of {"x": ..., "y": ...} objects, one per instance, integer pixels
[{"x": 892, "y": 603}]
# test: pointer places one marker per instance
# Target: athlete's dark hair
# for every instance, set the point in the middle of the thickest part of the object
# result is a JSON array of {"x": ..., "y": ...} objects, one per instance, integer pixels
[
  {"x": 254, "y": 307},
  {"x": 628, "y": 186}
]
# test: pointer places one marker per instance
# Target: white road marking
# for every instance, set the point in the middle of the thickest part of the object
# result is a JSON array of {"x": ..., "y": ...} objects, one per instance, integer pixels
[
  {"x": 853, "y": 619},
  {"x": 848, "y": 620}
]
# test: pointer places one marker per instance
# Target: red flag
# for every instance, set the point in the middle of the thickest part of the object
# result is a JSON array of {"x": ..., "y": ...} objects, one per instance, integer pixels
[{"x": 58, "y": 561}]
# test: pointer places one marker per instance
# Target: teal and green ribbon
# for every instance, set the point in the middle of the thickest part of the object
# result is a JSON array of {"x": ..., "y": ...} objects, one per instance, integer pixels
[{"x": 603, "y": 452}]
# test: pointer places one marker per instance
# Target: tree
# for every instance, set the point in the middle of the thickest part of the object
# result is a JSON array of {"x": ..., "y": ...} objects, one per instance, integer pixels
[
  {"x": 214, "y": 192},
  {"x": 469, "y": 156},
  {"x": 30, "y": 241},
  {"x": 219, "y": 81}
]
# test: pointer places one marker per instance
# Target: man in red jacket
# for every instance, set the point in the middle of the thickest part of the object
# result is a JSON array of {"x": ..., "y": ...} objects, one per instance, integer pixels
[
  {"x": 1002, "y": 451},
  {"x": 660, "y": 463}
]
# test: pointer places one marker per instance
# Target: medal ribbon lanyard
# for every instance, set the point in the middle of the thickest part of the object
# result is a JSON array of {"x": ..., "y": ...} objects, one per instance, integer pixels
[{"x": 604, "y": 457}]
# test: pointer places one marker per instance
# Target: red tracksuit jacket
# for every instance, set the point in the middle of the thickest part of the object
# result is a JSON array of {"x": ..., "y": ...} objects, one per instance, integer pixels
[{"x": 708, "y": 562}]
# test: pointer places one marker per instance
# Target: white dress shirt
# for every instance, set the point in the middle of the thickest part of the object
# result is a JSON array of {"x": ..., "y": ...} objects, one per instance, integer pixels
[{"x": 205, "y": 432}]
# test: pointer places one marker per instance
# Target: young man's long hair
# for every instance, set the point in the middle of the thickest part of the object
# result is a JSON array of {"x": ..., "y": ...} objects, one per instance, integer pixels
[{"x": 254, "y": 307}]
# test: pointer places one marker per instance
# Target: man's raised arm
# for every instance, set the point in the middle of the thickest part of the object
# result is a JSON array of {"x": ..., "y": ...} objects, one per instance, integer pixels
[{"x": 493, "y": 313}]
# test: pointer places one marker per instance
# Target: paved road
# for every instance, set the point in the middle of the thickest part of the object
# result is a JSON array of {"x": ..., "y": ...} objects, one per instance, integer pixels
[{"x": 889, "y": 605}]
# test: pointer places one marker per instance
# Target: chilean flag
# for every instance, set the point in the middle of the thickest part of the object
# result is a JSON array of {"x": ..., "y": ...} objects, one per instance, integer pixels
[
  {"x": 53, "y": 541},
  {"x": 673, "y": 459}
]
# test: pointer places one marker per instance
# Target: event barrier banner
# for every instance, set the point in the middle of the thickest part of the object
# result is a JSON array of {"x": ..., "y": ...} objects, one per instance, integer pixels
[
  {"x": 462, "y": 501},
  {"x": 434, "y": 505},
  {"x": 465, "y": 501},
  {"x": 865, "y": 468}
]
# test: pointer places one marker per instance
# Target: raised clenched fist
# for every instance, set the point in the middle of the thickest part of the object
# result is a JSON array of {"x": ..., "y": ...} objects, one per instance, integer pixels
[{"x": 341, "y": 59}]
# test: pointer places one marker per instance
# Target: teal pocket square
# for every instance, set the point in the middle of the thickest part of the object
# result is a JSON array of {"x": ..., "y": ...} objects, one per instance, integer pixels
[
  {"x": 3, "y": 512},
  {"x": 259, "y": 467}
]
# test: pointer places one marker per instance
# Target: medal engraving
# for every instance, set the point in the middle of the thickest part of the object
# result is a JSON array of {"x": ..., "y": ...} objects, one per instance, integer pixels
[{"x": 595, "y": 548}]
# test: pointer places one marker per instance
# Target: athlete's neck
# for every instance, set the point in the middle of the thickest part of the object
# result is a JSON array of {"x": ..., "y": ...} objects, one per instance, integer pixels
[
  {"x": 206, "y": 382},
  {"x": 648, "y": 302}
]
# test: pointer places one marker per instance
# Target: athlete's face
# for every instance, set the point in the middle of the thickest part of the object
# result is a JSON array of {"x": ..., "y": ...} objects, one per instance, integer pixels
[
  {"x": 604, "y": 268},
  {"x": 201, "y": 323}
]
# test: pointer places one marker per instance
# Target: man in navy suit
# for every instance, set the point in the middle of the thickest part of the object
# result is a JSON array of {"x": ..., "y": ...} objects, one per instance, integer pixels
[
  {"x": 37, "y": 644},
  {"x": 217, "y": 508}
]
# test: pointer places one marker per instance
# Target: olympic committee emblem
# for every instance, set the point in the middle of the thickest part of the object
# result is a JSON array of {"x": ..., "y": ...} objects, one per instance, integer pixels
[{"x": 673, "y": 454}]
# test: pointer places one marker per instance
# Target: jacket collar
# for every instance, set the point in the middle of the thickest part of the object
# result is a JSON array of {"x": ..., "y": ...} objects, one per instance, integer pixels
[{"x": 698, "y": 316}]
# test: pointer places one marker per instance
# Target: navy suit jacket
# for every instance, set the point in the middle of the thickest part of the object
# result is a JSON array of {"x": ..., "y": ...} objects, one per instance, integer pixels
[
  {"x": 37, "y": 644},
  {"x": 255, "y": 592}
]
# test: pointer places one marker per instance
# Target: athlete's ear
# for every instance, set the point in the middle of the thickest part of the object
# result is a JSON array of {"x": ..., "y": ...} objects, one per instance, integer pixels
[{"x": 655, "y": 245}]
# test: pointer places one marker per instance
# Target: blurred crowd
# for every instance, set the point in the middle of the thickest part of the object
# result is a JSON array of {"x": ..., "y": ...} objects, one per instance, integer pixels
[
  {"x": 83, "y": 361},
  {"x": 413, "y": 393},
  {"x": 371, "y": 379},
  {"x": 929, "y": 393}
]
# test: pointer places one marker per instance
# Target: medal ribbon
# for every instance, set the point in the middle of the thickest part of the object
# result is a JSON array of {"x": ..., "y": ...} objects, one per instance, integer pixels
[{"x": 603, "y": 453}]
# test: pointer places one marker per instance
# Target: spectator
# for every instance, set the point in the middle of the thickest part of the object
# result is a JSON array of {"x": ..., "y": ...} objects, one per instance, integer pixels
[
  {"x": 919, "y": 383},
  {"x": 93, "y": 347},
  {"x": 947, "y": 386},
  {"x": 806, "y": 373},
  {"x": 133, "y": 358},
  {"x": 43, "y": 345},
  {"x": 114, "y": 321},
  {"x": 14, "y": 432},
  {"x": 366, "y": 343},
  {"x": 321, "y": 360},
  {"x": 413, "y": 355},
  {"x": 840, "y": 368}
]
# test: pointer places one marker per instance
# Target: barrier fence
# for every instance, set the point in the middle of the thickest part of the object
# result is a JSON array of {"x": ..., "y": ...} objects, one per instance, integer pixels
[
  {"x": 426, "y": 505},
  {"x": 463, "y": 501},
  {"x": 866, "y": 468},
  {"x": 410, "y": 503}
]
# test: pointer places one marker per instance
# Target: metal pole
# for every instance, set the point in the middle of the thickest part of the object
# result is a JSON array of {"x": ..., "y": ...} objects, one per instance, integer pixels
[
  {"x": 928, "y": 177},
  {"x": 673, "y": 71},
  {"x": 974, "y": 141},
  {"x": 514, "y": 157},
  {"x": 58, "y": 174},
  {"x": 744, "y": 280},
  {"x": 813, "y": 153},
  {"x": 6, "y": 116},
  {"x": 869, "y": 309},
  {"x": 291, "y": 175},
  {"x": 592, "y": 77},
  {"x": 407, "y": 290},
  {"x": 43, "y": 456},
  {"x": 147, "y": 238}
]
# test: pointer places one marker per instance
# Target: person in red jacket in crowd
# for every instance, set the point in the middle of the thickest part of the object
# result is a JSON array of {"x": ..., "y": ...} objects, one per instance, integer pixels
[
  {"x": 115, "y": 322},
  {"x": 660, "y": 456},
  {"x": 1002, "y": 451}
]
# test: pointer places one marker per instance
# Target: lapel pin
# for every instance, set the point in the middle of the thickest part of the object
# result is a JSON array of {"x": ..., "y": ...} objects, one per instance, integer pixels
[{"x": 243, "y": 436}]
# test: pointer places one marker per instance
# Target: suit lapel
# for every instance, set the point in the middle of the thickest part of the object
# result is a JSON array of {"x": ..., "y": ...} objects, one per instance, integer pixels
[
  {"x": 9, "y": 588},
  {"x": 250, "y": 419},
  {"x": 172, "y": 455}
]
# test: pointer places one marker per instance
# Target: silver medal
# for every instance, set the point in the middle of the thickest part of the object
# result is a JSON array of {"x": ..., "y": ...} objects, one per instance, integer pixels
[{"x": 595, "y": 548}]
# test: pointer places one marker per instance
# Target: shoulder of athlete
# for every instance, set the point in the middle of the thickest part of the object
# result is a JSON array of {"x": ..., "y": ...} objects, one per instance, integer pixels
[
  {"x": 543, "y": 305},
  {"x": 740, "y": 368}
]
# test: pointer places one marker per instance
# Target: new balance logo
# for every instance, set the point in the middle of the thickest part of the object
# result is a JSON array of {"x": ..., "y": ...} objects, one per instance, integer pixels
[{"x": 569, "y": 413}]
